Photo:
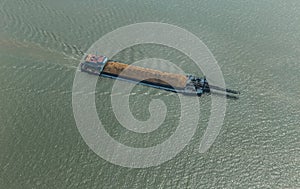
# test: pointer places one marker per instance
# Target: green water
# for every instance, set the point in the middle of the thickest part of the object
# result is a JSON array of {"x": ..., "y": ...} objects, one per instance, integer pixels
[{"x": 256, "y": 44}]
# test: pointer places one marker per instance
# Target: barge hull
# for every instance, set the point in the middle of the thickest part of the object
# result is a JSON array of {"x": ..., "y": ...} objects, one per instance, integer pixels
[
  {"x": 145, "y": 83},
  {"x": 186, "y": 84}
]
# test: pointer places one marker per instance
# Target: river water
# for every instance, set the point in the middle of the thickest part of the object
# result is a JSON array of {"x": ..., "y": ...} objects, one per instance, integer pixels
[{"x": 256, "y": 44}]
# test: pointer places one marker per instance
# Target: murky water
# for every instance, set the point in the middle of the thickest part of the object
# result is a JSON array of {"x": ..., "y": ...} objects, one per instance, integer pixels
[{"x": 256, "y": 44}]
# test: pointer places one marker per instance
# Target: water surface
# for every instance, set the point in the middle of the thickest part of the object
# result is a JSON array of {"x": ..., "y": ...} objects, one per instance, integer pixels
[{"x": 256, "y": 45}]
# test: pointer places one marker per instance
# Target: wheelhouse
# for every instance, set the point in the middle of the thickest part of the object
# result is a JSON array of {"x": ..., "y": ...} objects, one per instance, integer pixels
[{"x": 93, "y": 64}]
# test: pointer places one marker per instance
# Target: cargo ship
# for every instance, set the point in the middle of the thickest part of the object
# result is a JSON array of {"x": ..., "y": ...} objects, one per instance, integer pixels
[{"x": 178, "y": 83}]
